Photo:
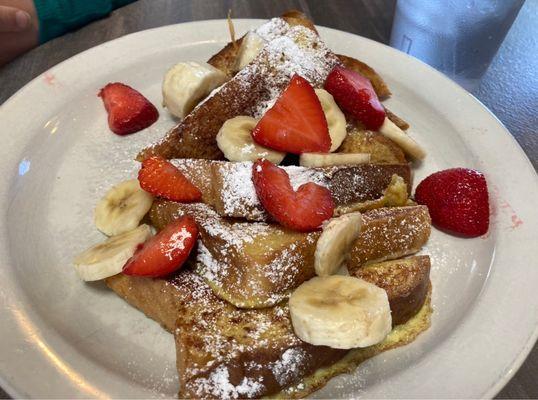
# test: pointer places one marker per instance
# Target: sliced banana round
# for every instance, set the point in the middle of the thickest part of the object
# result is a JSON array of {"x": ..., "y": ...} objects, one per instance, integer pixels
[
  {"x": 186, "y": 83},
  {"x": 402, "y": 139},
  {"x": 335, "y": 243},
  {"x": 235, "y": 141},
  {"x": 335, "y": 118},
  {"x": 327, "y": 159},
  {"x": 108, "y": 258},
  {"x": 342, "y": 312},
  {"x": 251, "y": 45},
  {"x": 122, "y": 208}
]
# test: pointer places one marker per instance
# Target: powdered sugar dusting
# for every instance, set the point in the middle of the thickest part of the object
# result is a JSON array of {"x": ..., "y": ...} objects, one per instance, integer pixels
[
  {"x": 286, "y": 369},
  {"x": 301, "y": 175},
  {"x": 210, "y": 269},
  {"x": 218, "y": 385},
  {"x": 232, "y": 282},
  {"x": 176, "y": 242},
  {"x": 238, "y": 194},
  {"x": 234, "y": 234},
  {"x": 272, "y": 29}
]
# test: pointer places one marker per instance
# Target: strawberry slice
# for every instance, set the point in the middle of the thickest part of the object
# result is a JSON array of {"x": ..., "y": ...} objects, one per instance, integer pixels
[
  {"x": 355, "y": 95},
  {"x": 296, "y": 123},
  {"x": 457, "y": 199},
  {"x": 165, "y": 252},
  {"x": 161, "y": 178},
  {"x": 303, "y": 210},
  {"x": 128, "y": 110}
]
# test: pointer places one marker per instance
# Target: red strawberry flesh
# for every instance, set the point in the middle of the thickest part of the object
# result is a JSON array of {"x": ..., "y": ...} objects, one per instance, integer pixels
[
  {"x": 457, "y": 200},
  {"x": 355, "y": 94},
  {"x": 296, "y": 123},
  {"x": 165, "y": 252},
  {"x": 128, "y": 110},
  {"x": 161, "y": 178},
  {"x": 303, "y": 210}
]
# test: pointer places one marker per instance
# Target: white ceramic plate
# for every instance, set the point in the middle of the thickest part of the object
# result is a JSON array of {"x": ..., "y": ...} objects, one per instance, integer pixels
[{"x": 63, "y": 338}]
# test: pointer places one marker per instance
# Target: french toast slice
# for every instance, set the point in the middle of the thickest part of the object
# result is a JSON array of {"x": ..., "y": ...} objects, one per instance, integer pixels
[
  {"x": 406, "y": 282},
  {"x": 255, "y": 264},
  {"x": 390, "y": 233},
  {"x": 228, "y": 187},
  {"x": 290, "y": 50},
  {"x": 226, "y": 352}
]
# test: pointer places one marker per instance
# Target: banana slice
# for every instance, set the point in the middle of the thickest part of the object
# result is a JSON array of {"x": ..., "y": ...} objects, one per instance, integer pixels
[
  {"x": 122, "y": 208},
  {"x": 402, "y": 139},
  {"x": 335, "y": 118},
  {"x": 325, "y": 160},
  {"x": 335, "y": 243},
  {"x": 235, "y": 141},
  {"x": 342, "y": 312},
  {"x": 251, "y": 45},
  {"x": 108, "y": 258},
  {"x": 186, "y": 83}
]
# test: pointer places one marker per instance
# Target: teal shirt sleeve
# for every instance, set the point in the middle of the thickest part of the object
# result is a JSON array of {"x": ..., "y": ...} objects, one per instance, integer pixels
[{"x": 57, "y": 17}]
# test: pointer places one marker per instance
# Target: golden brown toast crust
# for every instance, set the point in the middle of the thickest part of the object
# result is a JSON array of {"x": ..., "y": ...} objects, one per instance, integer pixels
[
  {"x": 295, "y": 17},
  {"x": 381, "y": 149},
  {"x": 154, "y": 297},
  {"x": 254, "y": 352},
  {"x": 406, "y": 282},
  {"x": 255, "y": 265},
  {"x": 228, "y": 187},
  {"x": 225, "y": 59},
  {"x": 380, "y": 87},
  {"x": 411, "y": 230}
]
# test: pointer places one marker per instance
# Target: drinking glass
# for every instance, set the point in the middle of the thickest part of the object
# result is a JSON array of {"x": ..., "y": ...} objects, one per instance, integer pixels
[{"x": 456, "y": 37}]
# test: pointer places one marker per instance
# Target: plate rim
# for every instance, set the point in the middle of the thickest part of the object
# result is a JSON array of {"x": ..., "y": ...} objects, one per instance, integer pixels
[{"x": 525, "y": 349}]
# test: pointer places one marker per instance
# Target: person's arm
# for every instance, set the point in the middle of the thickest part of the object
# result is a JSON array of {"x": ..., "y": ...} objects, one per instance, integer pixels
[
  {"x": 57, "y": 17},
  {"x": 26, "y": 23}
]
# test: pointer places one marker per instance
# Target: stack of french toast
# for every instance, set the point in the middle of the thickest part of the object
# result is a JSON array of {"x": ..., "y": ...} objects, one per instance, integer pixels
[{"x": 228, "y": 306}]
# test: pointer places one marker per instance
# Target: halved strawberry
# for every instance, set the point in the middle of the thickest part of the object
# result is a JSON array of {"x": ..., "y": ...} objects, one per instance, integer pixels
[
  {"x": 128, "y": 110},
  {"x": 457, "y": 199},
  {"x": 165, "y": 252},
  {"x": 303, "y": 210},
  {"x": 296, "y": 123},
  {"x": 355, "y": 94},
  {"x": 161, "y": 178}
]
